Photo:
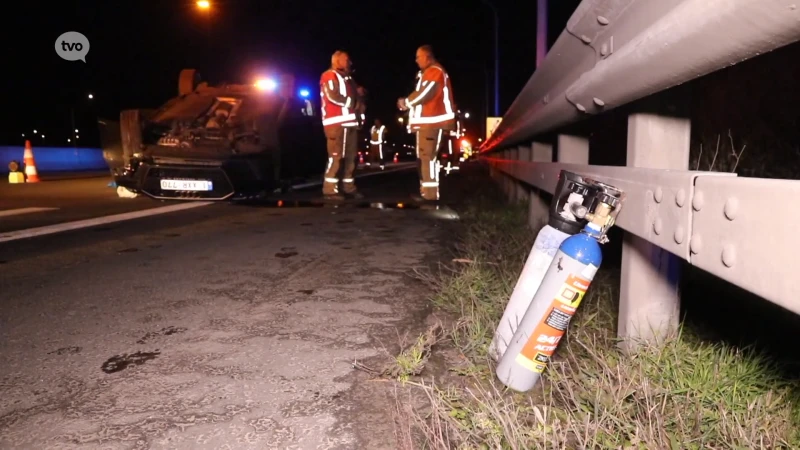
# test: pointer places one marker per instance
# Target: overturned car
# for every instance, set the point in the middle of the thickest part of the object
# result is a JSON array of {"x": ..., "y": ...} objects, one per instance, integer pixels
[{"x": 216, "y": 142}]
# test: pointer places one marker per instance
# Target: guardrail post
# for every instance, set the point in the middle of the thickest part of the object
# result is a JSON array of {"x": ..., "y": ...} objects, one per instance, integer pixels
[
  {"x": 508, "y": 181},
  {"x": 538, "y": 204},
  {"x": 523, "y": 191},
  {"x": 494, "y": 174},
  {"x": 573, "y": 149},
  {"x": 513, "y": 184},
  {"x": 649, "y": 303}
]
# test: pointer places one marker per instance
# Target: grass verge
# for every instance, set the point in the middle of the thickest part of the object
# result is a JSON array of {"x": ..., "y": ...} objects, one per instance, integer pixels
[{"x": 684, "y": 394}]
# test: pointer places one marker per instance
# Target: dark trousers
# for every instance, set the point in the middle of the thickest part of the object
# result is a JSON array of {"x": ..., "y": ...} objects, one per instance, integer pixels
[
  {"x": 376, "y": 155},
  {"x": 342, "y": 145},
  {"x": 428, "y": 142}
]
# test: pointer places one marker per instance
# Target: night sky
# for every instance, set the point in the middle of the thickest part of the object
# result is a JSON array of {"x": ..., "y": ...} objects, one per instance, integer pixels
[{"x": 138, "y": 47}]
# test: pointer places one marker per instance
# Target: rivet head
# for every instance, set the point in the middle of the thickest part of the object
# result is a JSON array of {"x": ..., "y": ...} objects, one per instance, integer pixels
[
  {"x": 731, "y": 208},
  {"x": 586, "y": 39},
  {"x": 599, "y": 102},
  {"x": 680, "y": 235},
  {"x": 658, "y": 226},
  {"x": 729, "y": 255},
  {"x": 680, "y": 198},
  {"x": 698, "y": 201},
  {"x": 602, "y": 20},
  {"x": 696, "y": 244},
  {"x": 580, "y": 107},
  {"x": 604, "y": 50},
  {"x": 658, "y": 195}
]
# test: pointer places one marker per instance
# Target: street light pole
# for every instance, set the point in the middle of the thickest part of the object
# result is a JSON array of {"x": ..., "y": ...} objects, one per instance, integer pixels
[
  {"x": 496, "y": 58},
  {"x": 541, "y": 32},
  {"x": 486, "y": 100},
  {"x": 205, "y": 7}
]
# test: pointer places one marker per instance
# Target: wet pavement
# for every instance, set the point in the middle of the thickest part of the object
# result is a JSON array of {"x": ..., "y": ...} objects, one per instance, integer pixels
[{"x": 225, "y": 326}]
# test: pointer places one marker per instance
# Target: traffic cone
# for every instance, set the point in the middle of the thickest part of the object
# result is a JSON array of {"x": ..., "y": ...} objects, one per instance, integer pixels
[
  {"x": 395, "y": 158},
  {"x": 30, "y": 166}
]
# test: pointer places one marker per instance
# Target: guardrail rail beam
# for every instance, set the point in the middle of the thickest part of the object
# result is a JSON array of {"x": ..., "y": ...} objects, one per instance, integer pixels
[
  {"x": 539, "y": 204},
  {"x": 614, "y": 52}
]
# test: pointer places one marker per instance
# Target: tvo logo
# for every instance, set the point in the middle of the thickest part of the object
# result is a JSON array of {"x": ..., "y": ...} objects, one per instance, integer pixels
[{"x": 72, "y": 46}]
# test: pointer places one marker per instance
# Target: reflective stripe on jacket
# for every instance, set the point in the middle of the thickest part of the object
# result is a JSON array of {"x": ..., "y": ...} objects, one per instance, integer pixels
[
  {"x": 431, "y": 104},
  {"x": 377, "y": 135},
  {"x": 339, "y": 102}
]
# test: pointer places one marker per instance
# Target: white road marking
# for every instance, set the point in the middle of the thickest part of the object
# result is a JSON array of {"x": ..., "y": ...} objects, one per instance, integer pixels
[
  {"x": 18, "y": 211},
  {"x": 78, "y": 224}
]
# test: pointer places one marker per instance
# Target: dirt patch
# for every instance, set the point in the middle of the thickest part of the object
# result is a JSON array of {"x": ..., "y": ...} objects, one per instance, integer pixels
[
  {"x": 66, "y": 351},
  {"x": 122, "y": 362},
  {"x": 168, "y": 331},
  {"x": 379, "y": 400}
]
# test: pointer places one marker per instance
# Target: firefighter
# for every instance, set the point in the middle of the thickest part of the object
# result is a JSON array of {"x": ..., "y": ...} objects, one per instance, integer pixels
[
  {"x": 452, "y": 154},
  {"x": 341, "y": 118},
  {"x": 361, "y": 96},
  {"x": 432, "y": 116},
  {"x": 361, "y": 113},
  {"x": 376, "y": 142},
  {"x": 362, "y": 104}
]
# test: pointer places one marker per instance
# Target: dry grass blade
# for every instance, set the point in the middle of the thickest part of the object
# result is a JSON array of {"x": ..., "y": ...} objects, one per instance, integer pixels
[
  {"x": 411, "y": 361},
  {"x": 683, "y": 393}
]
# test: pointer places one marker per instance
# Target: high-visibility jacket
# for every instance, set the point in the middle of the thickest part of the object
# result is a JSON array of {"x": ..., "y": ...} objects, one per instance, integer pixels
[
  {"x": 339, "y": 100},
  {"x": 431, "y": 104},
  {"x": 377, "y": 135}
]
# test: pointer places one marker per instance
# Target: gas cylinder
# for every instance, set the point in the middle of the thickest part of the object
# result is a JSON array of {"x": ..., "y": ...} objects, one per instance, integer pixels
[
  {"x": 564, "y": 285},
  {"x": 571, "y": 192}
]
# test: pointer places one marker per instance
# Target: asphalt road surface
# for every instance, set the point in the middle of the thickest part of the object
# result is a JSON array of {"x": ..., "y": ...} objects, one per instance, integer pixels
[
  {"x": 70, "y": 197},
  {"x": 217, "y": 327}
]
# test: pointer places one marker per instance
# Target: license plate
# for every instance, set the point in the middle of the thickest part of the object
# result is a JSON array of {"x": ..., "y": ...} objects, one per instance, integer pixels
[{"x": 186, "y": 185}]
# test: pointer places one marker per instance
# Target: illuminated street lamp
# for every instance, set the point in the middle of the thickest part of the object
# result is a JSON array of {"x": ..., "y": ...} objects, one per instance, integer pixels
[
  {"x": 466, "y": 115},
  {"x": 203, "y": 4},
  {"x": 91, "y": 96},
  {"x": 400, "y": 119}
]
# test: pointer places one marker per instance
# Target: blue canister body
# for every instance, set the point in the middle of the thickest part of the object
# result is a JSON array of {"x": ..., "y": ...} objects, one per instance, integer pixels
[{"x": 547, "y": 319}]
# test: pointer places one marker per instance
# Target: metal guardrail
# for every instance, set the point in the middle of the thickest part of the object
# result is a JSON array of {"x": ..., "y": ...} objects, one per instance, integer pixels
[
  {"x": 714, "y": 221},
  {"x": 613, "y": 52}
]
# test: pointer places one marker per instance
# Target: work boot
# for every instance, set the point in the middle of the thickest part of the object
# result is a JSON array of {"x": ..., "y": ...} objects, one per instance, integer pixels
[
  {"x": 355, "y": 194},
  {"x": 420, "y": 199},
  {"x": 333, "y": 197}
]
